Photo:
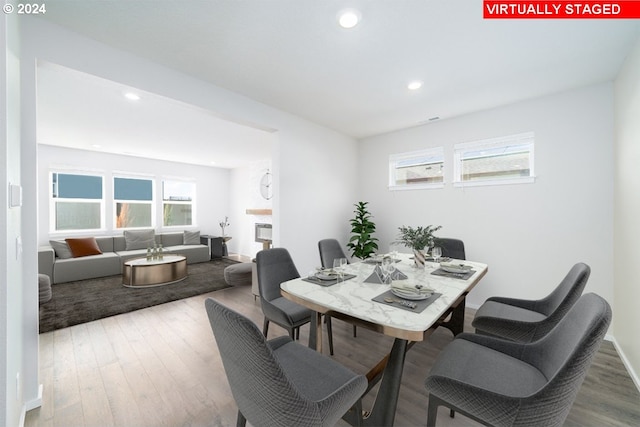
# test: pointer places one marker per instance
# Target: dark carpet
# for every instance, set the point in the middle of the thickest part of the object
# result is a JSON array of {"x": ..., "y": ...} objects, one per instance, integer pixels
[{"x": 86, "y": 300}]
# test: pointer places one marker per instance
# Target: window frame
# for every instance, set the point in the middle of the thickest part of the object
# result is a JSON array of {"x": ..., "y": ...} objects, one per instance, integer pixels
[
  {"x": 395, "y": 159},
  {"x": 191, "y": 202},
  {"x": 526, "y": 140},
  {"x": 54, "y": 199},
  {"x": 151, "y": 203}
]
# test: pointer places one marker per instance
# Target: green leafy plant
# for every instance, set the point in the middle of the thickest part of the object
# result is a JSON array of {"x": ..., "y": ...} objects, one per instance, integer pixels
[
  {"x": 362, "y": 243},
  {"x": 417, "y": 238}
]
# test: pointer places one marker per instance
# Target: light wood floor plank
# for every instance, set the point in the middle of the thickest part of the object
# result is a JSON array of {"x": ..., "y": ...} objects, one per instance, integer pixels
[{"x": 160, "y": 367}]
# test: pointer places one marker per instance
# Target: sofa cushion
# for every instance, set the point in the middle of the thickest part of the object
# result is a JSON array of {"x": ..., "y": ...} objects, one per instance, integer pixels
[
  {"x": 83, "y": 247},
  {"x": 61, "y": 249},
  {"x": 139, "y": 239},
  {"x": 89, "y": 267},
  {"x": 191, "y": 238}
]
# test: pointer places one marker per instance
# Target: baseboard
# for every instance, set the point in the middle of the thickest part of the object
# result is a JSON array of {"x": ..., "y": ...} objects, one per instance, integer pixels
[
  {"x": 32, "y": 404},
  {"x": 627, "y": 364},
  {"x": 37, "y": 402}
]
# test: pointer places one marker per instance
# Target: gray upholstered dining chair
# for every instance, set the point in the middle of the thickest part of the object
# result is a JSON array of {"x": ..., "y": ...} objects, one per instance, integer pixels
[
  {"x": 529, "y": 320},
  {"x": 281, "y": 382},
  {"x": 451, "y": 248},
  {"x": 274, "y": 266},
  {"x": 330, "y": 249},
  {"x": 505, "y": 383}
]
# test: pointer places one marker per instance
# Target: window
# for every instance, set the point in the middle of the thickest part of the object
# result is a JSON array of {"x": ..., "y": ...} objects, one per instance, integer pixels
[
  {"x": 417, "y": 169},
  {"x": 133, "y": 198},
  {"x": 77, "y": 202},
  {"x": 177, "y": 203},
  {"x": 505, "y": 160}
]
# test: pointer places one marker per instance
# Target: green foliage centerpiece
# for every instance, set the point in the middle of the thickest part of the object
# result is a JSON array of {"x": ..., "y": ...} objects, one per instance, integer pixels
[
  {"x": 362, "y": 243},
  {"x": 419, "y": 239}
]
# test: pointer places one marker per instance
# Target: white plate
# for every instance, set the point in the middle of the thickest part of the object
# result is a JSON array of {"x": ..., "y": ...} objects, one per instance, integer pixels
[
  {"x": 410, "y": 295},
  {"x": 455, "y": 268},
  {"x": 325, "y": 276}
]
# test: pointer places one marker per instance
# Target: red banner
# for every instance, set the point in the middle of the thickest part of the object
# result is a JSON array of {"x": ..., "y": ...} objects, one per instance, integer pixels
[{"x": 501, "y": 9}]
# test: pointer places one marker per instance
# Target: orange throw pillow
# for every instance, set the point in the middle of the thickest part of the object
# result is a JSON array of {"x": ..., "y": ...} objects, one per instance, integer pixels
[{"x": 83, "y": 247}]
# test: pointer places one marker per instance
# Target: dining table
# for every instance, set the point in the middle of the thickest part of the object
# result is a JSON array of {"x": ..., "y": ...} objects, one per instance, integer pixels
[{"x": 363, "y": 298}]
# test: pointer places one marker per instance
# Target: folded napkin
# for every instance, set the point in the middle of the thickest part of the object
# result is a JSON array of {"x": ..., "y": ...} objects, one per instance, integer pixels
[
  {"x": 378, "y": 276},
  {"x": 412, "y": 287}
]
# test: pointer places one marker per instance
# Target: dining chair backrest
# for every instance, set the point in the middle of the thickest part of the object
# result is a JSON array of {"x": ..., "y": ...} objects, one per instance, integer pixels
[
  {"x": 274, "y": 266},
  {"x": 501, "y": 382},
  {"x": 558, "y": 302},
  {"x": 565, "y": 354},
  {"x": 258, "y": 382},
  {"x": 330, "y": 249},
  {"x": 451, "y": 248}
]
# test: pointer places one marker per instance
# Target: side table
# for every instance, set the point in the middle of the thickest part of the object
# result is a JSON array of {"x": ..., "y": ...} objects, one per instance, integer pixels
[{"x": 217, "y": 245}]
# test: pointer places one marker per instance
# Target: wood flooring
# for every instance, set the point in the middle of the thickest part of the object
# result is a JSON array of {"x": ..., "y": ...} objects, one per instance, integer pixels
[{"x": 160, "y": 367}]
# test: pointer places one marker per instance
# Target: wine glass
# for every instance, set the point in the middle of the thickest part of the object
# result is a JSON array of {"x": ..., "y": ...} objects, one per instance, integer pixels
[
  {"x": 436, "y": 253},
  {"x": 338, "y": 266}
]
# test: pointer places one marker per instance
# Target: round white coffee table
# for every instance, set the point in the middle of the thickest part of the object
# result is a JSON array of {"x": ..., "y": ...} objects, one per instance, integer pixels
[{"x": 140, "y": 272}]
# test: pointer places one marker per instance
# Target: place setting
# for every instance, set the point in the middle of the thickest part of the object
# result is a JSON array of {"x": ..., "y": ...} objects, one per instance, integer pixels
[
  {"x": 330, "y": 276},
  {"x": 455, "y": 269},
  {"x": 404, "y": 293},
  {"x": 408, "y": 295}
]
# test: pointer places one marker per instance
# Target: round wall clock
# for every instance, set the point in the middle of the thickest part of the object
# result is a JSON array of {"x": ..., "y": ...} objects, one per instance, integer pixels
[{"x": 266, "y": 186}]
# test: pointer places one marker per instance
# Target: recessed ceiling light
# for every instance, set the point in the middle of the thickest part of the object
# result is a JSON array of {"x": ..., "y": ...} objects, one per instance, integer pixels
[
  {"x": 132, "y": 96},
  {"x": 414, "y": 85},
  {"x": 96, "y": 145},
  {"x": 349, "y": 18}
]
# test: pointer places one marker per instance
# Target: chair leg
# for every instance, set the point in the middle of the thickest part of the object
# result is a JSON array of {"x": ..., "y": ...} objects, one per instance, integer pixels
[
  {"x": 265, "y": 327},
  {"x": 432, "y": 412},
  {"x": 330, "y": 333},
  {"x": 241, "y": 421},
  {"x": 354, "y": 330}
]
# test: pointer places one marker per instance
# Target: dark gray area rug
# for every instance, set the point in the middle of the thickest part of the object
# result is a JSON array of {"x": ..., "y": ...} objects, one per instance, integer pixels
[{"x": 78, "y": 302}]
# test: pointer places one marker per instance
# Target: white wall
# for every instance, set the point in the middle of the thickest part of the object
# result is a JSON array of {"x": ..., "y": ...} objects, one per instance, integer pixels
[
  {"x": 212, "y": 185},
  {"x": 302, "y": 146},
  {"x": 245, "y": 194},
  {"x": 313, "y": 192},
  {"x": 530, "y": 234},
  {"x": 627, "y": 211},
  {"x": 13, "y": 352}
]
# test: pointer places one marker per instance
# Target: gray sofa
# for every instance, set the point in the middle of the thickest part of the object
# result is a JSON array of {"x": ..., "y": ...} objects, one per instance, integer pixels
[{"x": 114, "y": 253}]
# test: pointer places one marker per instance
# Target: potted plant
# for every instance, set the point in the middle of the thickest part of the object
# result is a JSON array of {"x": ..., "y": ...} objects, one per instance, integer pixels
[
  {"x": 418, "y": 239},
  {"x": 362, "y": 243}
]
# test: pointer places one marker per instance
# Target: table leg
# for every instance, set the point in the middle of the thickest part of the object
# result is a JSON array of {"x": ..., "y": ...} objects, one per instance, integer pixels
[
  {"x": 315, "y": 332},
  {"x": 384, "y": 407},
  {"x": 456, "y": 322}
]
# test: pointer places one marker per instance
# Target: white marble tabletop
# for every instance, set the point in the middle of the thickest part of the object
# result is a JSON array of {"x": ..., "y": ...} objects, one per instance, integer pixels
[{"x": 353, "y": 298}]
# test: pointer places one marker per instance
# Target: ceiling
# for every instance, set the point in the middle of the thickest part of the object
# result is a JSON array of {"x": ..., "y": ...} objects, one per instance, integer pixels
[
  {"x": 292, "y": 55},
  {"x": 79, "y": 110}
]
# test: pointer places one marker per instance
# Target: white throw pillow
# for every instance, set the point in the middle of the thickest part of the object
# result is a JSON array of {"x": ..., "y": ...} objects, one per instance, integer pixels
[
  {"x": 61, "y": 249},
  {"x": 191, "y": 238}
]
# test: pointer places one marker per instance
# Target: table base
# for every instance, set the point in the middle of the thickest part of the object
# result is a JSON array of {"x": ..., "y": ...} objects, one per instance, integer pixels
[
  {"x": 389, "y": 369},
  {"x": 150, "y": 275}
]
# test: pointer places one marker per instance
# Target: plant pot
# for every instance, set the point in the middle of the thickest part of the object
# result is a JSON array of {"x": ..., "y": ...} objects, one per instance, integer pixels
[{"x": 418, "y": 258}]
